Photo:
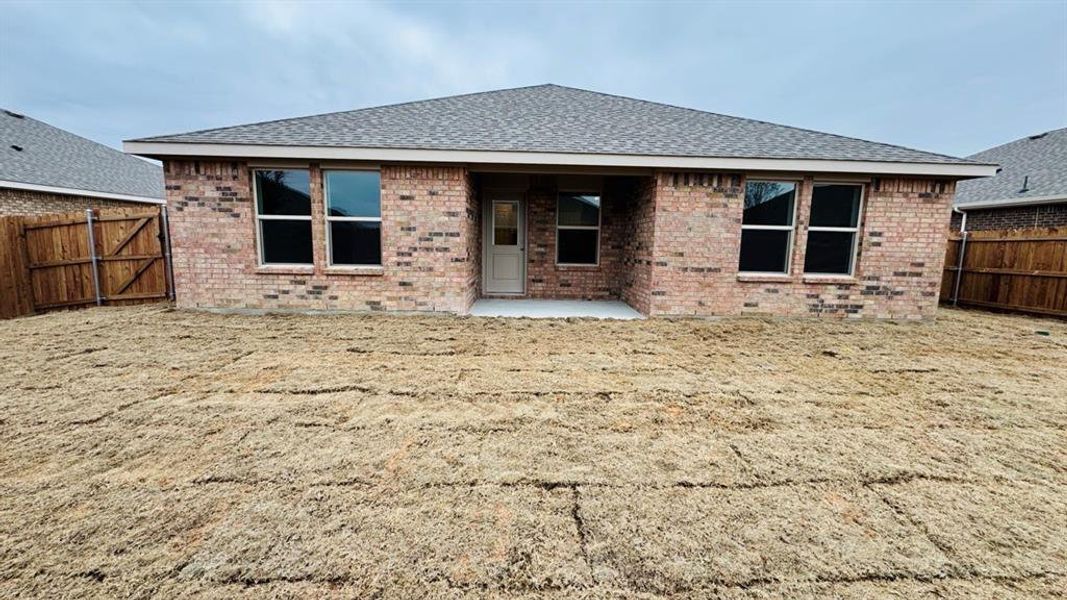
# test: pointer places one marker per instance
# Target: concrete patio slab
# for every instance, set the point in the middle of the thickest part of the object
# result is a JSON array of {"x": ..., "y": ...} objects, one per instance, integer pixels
[{"x": 554, "y": 309}]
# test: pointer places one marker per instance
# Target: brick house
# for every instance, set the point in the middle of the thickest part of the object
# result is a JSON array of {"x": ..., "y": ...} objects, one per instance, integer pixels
[
  {"x": 44, "y": 169},
  {"x": 1029, "y": 189},
  {"x": 554, "y": 192}
]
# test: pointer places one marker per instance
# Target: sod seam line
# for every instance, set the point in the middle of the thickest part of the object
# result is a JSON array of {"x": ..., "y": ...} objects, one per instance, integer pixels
[
  {"x": 583, "y": 537},
  {"x": 712, "y": 584},
  {"x": 554, "y": 485},
  {"x": 907, "y": 519}
]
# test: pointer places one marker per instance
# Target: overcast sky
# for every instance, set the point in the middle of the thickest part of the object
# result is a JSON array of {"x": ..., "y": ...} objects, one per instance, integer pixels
[{"x": 951, "y": 77}]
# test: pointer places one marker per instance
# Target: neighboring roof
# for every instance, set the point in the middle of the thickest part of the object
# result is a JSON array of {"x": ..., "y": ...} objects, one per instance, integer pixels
[
  {"x": 37, "y": 156},
  {"x": 549, "y": 119},
  {"x": 1038, "y": 162}
]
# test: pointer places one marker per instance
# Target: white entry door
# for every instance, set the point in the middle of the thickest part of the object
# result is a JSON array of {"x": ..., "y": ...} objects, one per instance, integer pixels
[{"x": 505, "y": 248}]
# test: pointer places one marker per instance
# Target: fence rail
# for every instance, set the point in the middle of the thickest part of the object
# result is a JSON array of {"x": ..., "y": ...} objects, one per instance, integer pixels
[
  {"x": 1019, "y": 270},
  {"x": 107, "y": 256}
]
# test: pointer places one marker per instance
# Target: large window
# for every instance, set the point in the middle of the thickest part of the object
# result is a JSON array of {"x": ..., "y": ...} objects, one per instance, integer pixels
[
  {"x": 353, "y": 217},
  {"x": 578, "y": 229},
  {"x": 283, "y": 217},
  {"x": 833, "y": 229},
  {"x": 767, "y": 226}
]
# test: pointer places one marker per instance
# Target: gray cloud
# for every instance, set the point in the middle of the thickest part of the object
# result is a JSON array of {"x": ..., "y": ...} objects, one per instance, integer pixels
[{"x": 953, "y": 78}]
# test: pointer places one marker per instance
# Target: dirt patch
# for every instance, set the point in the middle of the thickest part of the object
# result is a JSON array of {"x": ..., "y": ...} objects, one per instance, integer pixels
[{"x": 147, "y": 451}]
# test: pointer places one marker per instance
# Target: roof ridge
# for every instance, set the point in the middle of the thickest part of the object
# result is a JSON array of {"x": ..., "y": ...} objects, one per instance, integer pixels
[
  {"x": 344, "y": 112},
  {"x": 724, "y": 115}
]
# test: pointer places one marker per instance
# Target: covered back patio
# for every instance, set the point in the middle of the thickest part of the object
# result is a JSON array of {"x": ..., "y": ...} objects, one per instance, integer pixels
[{"x": 578, "y": 240}]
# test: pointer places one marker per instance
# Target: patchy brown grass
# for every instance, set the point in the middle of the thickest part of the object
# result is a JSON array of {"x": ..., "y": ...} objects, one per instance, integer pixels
[{"x": 145, "y": 451}]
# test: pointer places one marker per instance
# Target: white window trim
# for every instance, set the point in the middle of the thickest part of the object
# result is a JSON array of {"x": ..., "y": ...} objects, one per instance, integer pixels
[
  {"x": 855, "y": 231},
  {"x": 331, "y": 219},
  {"x": 792, "y": 229},
  {"x": 599, "y": 222},
  {"x": 259, "y": 224}
]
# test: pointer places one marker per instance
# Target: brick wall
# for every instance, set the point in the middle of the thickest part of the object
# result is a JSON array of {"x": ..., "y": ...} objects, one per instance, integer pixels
[
  {"x": 697, "y": 240},
  {"x": 669, "y": 246},
  {"x": 635, "y": 268},
  {"x": 427, "y": 224},
  {"x": 472, "y": 232},
  {"x": 27, "y": 202},
  {"x": 1015, "y": 217},
  {"x": 546, "y": 279}
]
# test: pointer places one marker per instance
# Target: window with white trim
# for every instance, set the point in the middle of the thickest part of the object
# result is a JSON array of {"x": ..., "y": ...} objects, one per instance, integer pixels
[
  {"x": 577, "y": 229},
  {"x": 767, "y": 226},
  {"x": 833, "y": 229},
  {"x": 353, "y": 218},
  {"x": 283, "y": 216}
]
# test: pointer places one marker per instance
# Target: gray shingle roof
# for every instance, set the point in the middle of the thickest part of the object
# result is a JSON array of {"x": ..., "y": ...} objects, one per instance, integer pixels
[
  {"x": 54, "y": 157},
  {"x": 552, "y": 118},
  {"x": 1040, "y": 160}
]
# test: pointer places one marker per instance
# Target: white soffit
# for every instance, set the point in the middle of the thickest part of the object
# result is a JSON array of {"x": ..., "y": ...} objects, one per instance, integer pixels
[{"x": 252, "y": 151}]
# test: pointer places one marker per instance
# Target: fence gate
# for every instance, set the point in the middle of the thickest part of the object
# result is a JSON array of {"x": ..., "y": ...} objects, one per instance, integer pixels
[{"x": 111, "y": 256}]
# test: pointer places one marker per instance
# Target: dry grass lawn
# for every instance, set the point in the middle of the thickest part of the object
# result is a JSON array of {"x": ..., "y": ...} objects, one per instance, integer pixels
[{"x": 150, "y": 452}]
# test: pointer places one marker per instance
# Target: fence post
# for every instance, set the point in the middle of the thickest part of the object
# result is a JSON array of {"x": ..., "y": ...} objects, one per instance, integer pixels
[
  {"x": 94, "y": 260},
  {"x": 959, "y": 270},
  {"x": 27, "y": 275},
  {"x": 168, "y": 269}
]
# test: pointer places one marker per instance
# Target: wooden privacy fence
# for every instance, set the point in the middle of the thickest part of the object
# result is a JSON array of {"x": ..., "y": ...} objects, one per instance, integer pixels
[
  {"x": 1022, "y": 270},
  {"x": 106, "y": 256}
]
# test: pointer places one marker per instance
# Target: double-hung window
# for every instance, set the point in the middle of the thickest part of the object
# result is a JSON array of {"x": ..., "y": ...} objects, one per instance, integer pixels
[
  {"x": 283, "y": 216},
  {"x": 578, "y": 229},
  {"x": 767, "y": 226},
  {"x": 353, "y": 217},
  {"x": 833, "y": 229}
]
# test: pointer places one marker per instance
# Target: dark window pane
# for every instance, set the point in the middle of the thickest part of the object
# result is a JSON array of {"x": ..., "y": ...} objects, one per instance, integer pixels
[
  {"x": 828, "y": 252},
  {"x": 356, "y": 242},
  {"x": 577, "y": 246},
  {"x": 287, "y": 242},
  {"x": 283, "y": 192},
  {"x": 764, "y": 250},
  {"x": 835, "y": 205},
  {"x": 505, "y": 223},
  {"x": 579, "y": 210},
  {"x": 769, "y": 203},
  {"x": 353, "y": 193}
]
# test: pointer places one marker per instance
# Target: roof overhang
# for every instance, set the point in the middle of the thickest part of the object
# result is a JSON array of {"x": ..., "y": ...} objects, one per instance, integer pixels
[
  {"x": 64, "y": 191},
  {"x": 162, "y": 150},
  {"x": 1010, "y": 202}
]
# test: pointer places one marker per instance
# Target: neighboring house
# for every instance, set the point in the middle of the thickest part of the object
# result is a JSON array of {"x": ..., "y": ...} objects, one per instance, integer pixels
[
  {"x": 1029, "y": 189},
  {"x": 554, "y": 192},
  {"x": 44, "y": 170}
]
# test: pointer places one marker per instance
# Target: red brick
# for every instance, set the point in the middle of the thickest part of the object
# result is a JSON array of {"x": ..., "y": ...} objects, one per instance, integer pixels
[
  {"x": 215, "y": 262},
  {"x": 669, "y": 246},
  {"x": 27, "y": 202},
  {"x": 1014, "y": 217},
  {"x": 697, "y": 238}
]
